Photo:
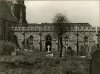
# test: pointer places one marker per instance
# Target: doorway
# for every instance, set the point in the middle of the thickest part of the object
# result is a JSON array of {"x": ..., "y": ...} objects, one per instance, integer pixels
[{"x": 48, "y": 43}]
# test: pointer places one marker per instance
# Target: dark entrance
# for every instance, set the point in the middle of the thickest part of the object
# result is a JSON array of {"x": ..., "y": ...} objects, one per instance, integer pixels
[{"x": 48, "y": 43}]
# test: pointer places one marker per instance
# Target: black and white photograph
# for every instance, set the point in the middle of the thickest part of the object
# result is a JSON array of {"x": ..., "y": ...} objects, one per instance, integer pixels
[{"x": 49, "y": 36}]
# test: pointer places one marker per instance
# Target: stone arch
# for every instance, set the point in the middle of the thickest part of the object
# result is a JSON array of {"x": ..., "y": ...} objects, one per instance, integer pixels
[
  {"x": 48, "y": 42},
  {"x": 70, "y": 51},
  {"x": 86, "y": 38},
  {"x": 86, "y": 46},
  {"x": 82, "y": 50},
  {"x": 30, "y": 41}
]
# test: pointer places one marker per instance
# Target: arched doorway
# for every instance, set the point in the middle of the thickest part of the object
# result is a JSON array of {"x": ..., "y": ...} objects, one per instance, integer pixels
[
  {"x": 30, "y": 42},
  {"x": 48, "y": 43},
  {"x": 70, "y": 51},
  {"x": 84, "y": 50},
  {"x": 86, "y": 45}
]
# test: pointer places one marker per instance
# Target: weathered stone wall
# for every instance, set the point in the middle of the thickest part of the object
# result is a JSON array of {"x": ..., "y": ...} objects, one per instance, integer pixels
[
  {"x": 42, "y": 30},
  {"x": 71, "y": 35}
]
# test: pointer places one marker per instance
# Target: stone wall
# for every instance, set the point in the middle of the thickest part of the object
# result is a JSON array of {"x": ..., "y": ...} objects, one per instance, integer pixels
[{"x": 71, "y": 35}]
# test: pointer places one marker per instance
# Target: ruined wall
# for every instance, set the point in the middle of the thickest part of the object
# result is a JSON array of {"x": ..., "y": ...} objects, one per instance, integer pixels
[
  {"x": 71, "y": 42},
  {"x": 42, "y": 30}
]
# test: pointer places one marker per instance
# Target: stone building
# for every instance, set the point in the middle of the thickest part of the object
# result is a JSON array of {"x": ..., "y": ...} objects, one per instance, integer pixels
[
  {"x": 41, "y": 33},
  {"x": 12, "y": 13},
  {"x": 6, "y": 21}
]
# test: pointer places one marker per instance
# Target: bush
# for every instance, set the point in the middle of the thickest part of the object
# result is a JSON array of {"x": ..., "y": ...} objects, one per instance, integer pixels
[{"x": 6, "y": 48}]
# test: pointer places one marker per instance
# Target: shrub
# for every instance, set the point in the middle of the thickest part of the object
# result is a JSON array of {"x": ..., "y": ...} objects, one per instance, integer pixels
[{"x": 6, "y": 48}]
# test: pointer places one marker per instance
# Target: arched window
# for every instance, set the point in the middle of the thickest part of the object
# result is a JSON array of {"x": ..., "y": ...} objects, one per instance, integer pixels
[
  {"x": 85, "y": 38},
  {"x": 82, "y": 50},
  {"x": 48, "y": 43},
  {"x": 48, "y": 38},
  {"x": 30, "y": 40},
  {"x": 66, "y": 37}
]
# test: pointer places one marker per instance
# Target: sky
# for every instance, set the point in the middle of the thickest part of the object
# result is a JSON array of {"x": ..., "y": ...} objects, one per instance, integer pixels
[{"x": 76, "y": 11}]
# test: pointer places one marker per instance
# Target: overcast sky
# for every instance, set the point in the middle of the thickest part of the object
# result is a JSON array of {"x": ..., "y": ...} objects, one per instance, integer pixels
[{"x": 76, "y": 11}]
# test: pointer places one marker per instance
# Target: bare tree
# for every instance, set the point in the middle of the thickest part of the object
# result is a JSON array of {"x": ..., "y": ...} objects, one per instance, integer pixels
[{"x": 60, "y": 21}]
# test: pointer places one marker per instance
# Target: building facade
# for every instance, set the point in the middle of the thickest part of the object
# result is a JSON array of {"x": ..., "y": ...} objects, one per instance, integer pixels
[{"x": 81, "y": 39}]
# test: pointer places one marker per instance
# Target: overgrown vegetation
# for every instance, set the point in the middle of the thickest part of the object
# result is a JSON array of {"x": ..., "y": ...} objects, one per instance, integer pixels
[
  {"x": 36, "y": 62},
  {"x": 6, "y": 48},
  {"x": 40, "y": 64}
]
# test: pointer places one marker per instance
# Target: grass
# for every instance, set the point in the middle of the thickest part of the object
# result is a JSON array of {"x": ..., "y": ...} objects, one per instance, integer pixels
[{"x": 36, "y": 62}]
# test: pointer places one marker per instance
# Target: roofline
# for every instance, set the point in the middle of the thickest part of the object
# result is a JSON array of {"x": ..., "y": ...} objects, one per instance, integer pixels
[
  {"x": 78, "y": 24},
  {"x": 53, "y": 23}
]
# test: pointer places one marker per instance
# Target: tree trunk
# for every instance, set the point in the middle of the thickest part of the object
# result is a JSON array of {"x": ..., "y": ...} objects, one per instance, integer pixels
[{"x": 61, "y": 46}]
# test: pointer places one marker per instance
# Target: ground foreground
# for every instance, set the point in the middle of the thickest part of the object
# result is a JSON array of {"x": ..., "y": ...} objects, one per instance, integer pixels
[{"x": 37, "y": 63}]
